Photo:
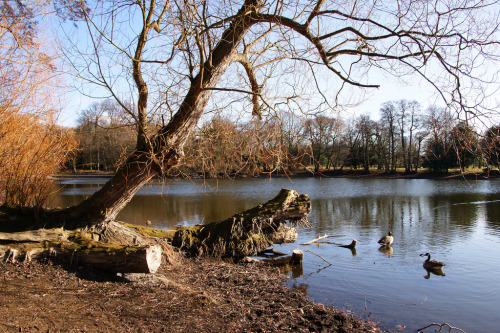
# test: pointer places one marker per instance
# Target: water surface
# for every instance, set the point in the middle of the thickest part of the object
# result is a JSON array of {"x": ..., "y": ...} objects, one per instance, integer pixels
[{"x": 458, "y": 222}]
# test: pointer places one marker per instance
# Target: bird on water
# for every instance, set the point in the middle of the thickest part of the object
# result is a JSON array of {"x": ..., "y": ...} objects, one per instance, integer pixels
[
  {"x": 431, "y": 264},
  {"x": 386, "y": 240}
]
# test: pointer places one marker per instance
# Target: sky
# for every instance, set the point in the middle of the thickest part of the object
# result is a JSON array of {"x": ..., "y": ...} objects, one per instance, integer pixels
[{"x": 390, "y": 89}]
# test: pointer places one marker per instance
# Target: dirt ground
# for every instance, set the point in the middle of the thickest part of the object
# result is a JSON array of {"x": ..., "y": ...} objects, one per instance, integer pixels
[{"x": 196, "y": 295}]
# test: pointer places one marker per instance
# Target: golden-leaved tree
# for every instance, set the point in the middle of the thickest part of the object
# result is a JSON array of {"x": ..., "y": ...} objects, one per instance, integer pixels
[{"x": 32, "y": 146}]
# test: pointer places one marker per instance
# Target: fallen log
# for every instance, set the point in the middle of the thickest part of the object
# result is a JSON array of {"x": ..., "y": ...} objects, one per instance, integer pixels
[
  {"x": 250, "y": 232},
  {"x": 39, "y": 235},
  {"x": 125, "y": 248},
  {"x": 107, "y": 257}
]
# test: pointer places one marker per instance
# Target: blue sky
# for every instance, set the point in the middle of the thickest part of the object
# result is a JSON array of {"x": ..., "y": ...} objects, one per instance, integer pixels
[{"x": 391, "y": 88}]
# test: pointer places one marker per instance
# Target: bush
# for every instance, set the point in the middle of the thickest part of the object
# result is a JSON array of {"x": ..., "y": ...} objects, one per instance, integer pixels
[{"x": 31, "y": 151}]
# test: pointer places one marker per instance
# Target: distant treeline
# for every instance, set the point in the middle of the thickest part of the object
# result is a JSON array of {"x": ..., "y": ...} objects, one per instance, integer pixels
[{"x": 406, "y": 137}]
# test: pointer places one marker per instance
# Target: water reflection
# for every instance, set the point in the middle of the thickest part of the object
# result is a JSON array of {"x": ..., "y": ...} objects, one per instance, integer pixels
[
  {"x": 296, "y": 271},
  {"x": 386, "y": 249},
  {"x": 434, "y": 271},
  {"x": 492, "y": 212}
]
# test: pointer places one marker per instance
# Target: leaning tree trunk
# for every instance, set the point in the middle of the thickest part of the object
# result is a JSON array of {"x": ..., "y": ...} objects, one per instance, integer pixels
[
  {"x": 125, "y": 248},
  {"x": 166, "y": 146}
]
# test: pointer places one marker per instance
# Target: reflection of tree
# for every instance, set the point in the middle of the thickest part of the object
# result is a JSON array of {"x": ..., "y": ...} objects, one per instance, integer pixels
[
  {"x": 430, "y": 218},
  {"x": 492, "y": 209},
  {"x": 412, "y": 215},
  {"x": 455, "y": 209},
  {"x": 169, "y": 210}
]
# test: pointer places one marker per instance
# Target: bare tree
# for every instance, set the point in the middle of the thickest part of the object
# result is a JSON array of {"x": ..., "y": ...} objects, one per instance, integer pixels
[
  {"x": 388, "y": 120},
  {"x": 491, "y": 147},
  {"x": 177, "y": 54},
  {"x": 105, "y": 136},
  {"x": 439, "y": 144},
  {"x": 322, "y": 133},
  {"x": 365, "y": 129},
  {"x": 408, "y": 113}
]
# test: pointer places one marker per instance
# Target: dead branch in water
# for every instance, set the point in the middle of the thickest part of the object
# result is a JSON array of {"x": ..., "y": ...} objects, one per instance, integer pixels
[
  {"x": 438, "y": 328},
  {"x": 318, "y": 256}
]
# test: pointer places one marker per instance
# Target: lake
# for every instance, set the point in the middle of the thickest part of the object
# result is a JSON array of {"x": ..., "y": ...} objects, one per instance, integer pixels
[{"x": 457, "y": 221}]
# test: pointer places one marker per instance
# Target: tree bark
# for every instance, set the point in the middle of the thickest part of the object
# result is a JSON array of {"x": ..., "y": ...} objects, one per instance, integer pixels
[{"x": 111, "y": 258}]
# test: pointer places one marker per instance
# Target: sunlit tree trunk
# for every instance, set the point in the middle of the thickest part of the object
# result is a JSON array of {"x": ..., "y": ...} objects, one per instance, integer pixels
[{"x": 166, "y": 147}]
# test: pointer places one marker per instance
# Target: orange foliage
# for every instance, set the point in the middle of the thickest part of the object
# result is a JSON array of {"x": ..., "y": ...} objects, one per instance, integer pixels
[
  {"x": 32, "y": 147},
  {"x": 30, "y": 153}
]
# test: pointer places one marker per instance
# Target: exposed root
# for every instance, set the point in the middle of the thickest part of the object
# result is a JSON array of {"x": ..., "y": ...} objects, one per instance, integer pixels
[{"x": 248, "y": 233}]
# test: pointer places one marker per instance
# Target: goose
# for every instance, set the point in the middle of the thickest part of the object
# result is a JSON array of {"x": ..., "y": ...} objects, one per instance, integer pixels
[
  {"x": 431, "y": 264},
  {"x": 386, "y": 240}
]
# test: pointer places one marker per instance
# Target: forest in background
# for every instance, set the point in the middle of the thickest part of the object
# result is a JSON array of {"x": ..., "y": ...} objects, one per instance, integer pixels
[{"x": 406, "y": 137}]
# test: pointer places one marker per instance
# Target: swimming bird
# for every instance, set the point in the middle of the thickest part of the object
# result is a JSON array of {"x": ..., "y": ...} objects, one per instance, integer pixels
[
  {"x": 386, "y": 240},
  {"x": 431, "y": 264}
]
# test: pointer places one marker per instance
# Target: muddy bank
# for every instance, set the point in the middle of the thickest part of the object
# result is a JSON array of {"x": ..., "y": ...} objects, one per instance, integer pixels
[{"x": 192, "y": 296}]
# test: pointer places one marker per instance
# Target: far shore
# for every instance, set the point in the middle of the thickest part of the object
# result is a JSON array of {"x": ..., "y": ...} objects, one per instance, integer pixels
[{"x": 423, "y": 174}]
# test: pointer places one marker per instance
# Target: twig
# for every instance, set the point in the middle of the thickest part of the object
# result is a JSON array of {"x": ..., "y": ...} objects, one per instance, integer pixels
[
  {"x": 441, "y": 326},
  {"x": 320, "y": 237},
  {"x": 318, "y": 256},
  {"x": 9, "y": 325}
]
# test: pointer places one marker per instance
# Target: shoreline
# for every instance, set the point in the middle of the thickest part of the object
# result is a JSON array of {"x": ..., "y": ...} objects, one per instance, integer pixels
[
  {"x": 194, "y": 295},
  {"x": 355, "y": 174}
]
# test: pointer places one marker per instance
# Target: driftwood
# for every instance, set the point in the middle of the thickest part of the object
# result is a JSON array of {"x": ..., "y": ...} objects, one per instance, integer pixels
[
  {"x": 350, "y": 246},
  {"x": 125, "y": 248},
  {"x": 295, "y": 259},
  {"x": 315, "y": 241},
  {"x": 271, "y": 252}
]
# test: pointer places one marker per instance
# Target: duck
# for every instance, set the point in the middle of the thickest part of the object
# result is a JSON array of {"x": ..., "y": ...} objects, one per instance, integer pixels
[
  {"x": 431, "y": 264},
  {"x": 386, "y": 240}
]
